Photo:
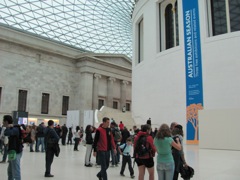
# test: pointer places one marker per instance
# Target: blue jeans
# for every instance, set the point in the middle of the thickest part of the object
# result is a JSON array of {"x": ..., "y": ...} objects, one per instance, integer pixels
[
  {"x": 114, "y": 158},
  {"x": 40, "y": 140},
  {"x": 14, "y": 168},
  {"x": 165, "y": 171},
  {"x": 104, "y": 157}
]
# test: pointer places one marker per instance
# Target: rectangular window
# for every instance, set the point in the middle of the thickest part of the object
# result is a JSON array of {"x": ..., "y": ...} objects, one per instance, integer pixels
[
  {"x": 100, "y": 103},
  {"x": 140, "y": 41},
  {"x": 22, "y": 100},
  {"x": 224, "y": 16},
  {"x": 168, "y": 24},
  {"x": 65, "y": 104},
  {"x": 219, "y": 19},
  {"x": 45, "y": 103},
  {"x": 128, "y": 107},
  {"x": 234, "y": 9},
  {"x": 115, "y": 105}
]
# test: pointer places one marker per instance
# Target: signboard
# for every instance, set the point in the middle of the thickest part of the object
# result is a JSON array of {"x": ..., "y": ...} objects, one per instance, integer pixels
[{"x": 193, "y": 65}]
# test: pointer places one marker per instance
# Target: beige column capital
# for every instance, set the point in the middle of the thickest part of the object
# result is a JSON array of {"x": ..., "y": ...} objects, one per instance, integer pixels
[
  {"x": 112, "y": 79},
  {"x": 125, "y": 82},
  {"x": 97, "y": 76}
]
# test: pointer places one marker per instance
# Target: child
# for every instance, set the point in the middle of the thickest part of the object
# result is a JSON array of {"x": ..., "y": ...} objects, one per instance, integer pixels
[{"x": 125, "y": 150}]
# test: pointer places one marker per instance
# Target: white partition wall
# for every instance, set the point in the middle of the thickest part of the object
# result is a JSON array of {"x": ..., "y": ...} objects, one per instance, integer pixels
[
  {"x": 219, "y": 129},
  {"x": 73, "y": 118},
  {"x": 88, "y": 118}
]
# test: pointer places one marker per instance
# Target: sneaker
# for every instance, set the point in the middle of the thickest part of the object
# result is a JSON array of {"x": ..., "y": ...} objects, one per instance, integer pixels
[
  {"x": 132, "y": 176},
  {"x": 2, "y": 161},
  {"x": 88, "y": 165},
  {"x": 121, "y": 174}
]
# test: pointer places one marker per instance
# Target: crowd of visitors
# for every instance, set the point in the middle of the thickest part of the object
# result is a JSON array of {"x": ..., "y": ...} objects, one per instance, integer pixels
[{"x": 108, "y": 143}]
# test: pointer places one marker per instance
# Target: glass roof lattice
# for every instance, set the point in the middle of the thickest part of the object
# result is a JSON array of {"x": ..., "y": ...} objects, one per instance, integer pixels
[{"x": 100, "y": 26}]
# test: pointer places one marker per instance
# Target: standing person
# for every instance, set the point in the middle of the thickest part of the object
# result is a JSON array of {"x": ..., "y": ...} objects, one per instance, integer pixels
[
  {"x": 164, "y": 142},
  {"x": 64, "y": 134},
  {"x": 125, "y": 150},
  {"x": 117, "y": 136},
  {"x": 103, "y": 143},
  {"x": 144, "y": 159},
  {"x": 33, "y": 137},
  {"x": 50, "y": 136},
  {"x": 121, "y": 126},
  {"x": 178, "y": 156},
  {"x": 70, "y": 135},
  {"x": 4, "y": 140},
  {"x": 77, "y": 135},
  {"x": 40, "y": 137},
  {"x": 89, "y": 142},
  {"x": 172, "y": 125},
  {"x": 14, "y": 144}
]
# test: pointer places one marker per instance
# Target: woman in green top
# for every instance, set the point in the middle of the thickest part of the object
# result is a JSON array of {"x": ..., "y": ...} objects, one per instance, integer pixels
[{"x": 163, "y": 143}]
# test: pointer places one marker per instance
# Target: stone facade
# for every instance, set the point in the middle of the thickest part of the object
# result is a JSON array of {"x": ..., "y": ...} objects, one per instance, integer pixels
[{"x": 42, "y": 66}]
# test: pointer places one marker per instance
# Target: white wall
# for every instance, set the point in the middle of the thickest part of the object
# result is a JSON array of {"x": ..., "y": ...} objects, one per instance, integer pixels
[
  {"x": 158, "y": 88},
  {"x": 219, "y": 129}
]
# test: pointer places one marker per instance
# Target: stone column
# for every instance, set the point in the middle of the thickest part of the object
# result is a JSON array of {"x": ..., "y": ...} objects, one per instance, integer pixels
[
  {"x": 110, "y": 91},
  {"x": 95, "y": 90},
  {"x": 123, "y": 94}
]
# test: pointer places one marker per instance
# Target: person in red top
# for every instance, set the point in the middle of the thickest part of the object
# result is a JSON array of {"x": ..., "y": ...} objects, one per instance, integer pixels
[
  {"x": 145, "y": 161},
  {"x": 121, "y": 126},
  {"x": 103, "y": 143}
]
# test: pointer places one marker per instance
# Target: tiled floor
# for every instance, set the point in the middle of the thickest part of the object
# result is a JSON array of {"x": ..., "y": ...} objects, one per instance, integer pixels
[{"x": 208, "y": 165}]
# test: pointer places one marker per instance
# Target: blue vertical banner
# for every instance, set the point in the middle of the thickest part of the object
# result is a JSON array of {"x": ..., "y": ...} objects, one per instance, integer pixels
[{"x": 193, "y": 66}]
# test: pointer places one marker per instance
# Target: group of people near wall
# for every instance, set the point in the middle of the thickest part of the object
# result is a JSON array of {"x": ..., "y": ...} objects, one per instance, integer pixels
[
  {"x": 107, "y": 142},
  {"x": 166, "y": 142}
]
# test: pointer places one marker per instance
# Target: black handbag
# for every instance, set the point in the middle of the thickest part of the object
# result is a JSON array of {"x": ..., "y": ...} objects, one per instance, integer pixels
[{"x": 186, "y": 172}]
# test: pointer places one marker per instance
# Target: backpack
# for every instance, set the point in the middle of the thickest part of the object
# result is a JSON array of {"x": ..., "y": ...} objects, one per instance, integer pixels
[
  {"x": 16, "y": 142},
  {"x": 117, "y": 135},
  {"x": 141, "y": 148}
]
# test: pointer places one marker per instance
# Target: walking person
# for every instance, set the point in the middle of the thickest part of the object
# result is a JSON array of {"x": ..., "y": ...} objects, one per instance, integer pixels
[
  {"x": 51, "y": 137},
  {"x": 14, "y": 146},
  {"x": 164, "y": 142},
  {"x": 103, "y": 143},
  {"x": 125, "y": 150}
]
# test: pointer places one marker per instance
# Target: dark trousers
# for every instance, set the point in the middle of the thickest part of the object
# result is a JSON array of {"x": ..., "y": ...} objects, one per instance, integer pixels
[
  {"x": 64, "y": 139},
  {"x": 49, "y": 160},
  {"x": 125, "y": 160},
  {"x": 69, "y": 140},
  {"x": 104, "y": 157},
  {"x": 76, "y": 140},
  {"x": 5, "y": 152}
]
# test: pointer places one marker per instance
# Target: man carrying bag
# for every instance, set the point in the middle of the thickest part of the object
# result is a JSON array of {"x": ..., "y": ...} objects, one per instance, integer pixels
[{"x": 52, "y": 147}]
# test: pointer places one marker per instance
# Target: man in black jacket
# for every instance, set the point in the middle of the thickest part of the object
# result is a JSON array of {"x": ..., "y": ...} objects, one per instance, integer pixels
[
  {"x": 51, "y": 138},
  {"x": 15, "y": 146}
]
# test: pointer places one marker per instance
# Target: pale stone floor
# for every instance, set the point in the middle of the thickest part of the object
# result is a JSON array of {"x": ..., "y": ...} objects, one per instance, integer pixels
[{"x": 208, "y": 165}]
